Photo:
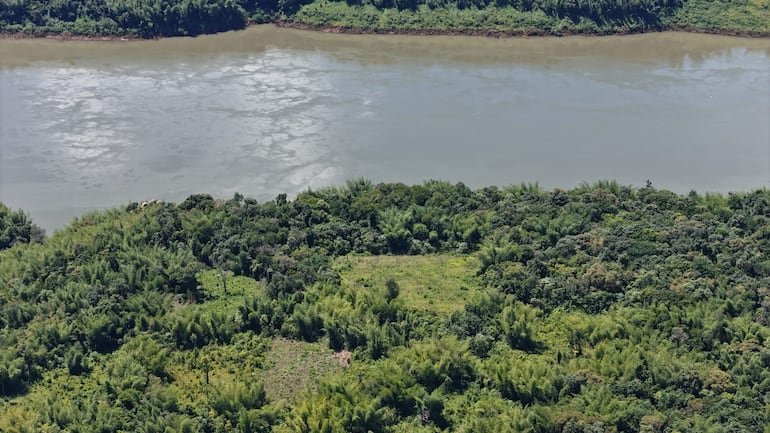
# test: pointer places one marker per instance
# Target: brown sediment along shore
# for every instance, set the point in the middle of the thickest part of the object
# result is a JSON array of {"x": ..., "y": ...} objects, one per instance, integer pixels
[
  {"x": 445, "y": 32},
  {"x": 512, "y": 33},
  {"x": 67, "y": 37},
  {"x": 415, "y": 32}
]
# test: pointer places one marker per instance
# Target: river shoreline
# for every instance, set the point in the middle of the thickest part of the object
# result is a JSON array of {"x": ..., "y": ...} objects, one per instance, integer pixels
[
  {"x": 407, "y": 32},
  {"x": 512, "y": 33},
  {"x": 70, "y": 37}
]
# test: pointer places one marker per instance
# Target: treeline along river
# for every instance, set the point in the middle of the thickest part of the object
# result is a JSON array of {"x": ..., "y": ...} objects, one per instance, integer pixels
[{"x": 85, "y": 125}]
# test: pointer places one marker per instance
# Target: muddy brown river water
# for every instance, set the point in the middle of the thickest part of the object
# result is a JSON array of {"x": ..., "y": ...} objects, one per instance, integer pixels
[{"x": 85, "y": 125}]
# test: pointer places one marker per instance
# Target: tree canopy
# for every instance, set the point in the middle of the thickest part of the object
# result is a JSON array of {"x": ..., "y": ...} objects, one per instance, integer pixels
[
  {"x": 603, "y": 308},
  {"x": 157, "y": 18}
]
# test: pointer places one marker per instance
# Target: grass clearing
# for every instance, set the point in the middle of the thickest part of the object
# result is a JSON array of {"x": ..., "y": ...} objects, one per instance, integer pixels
[
  {"x": 440, "y": 284},
  {"x": 238, "y": 289},
  {"x": 294, "y": 367},
  {"x": 211, "y": 281}
]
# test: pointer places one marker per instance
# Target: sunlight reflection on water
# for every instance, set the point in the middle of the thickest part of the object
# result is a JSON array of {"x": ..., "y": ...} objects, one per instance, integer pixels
[{"x": 110, "y": 128}]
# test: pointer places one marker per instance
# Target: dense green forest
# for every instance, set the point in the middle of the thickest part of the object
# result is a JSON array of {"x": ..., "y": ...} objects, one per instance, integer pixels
[
  {"x": 16, "y": 227},
  {"x": 154, "y": 18},
  {"x": 393, "y": 308}
]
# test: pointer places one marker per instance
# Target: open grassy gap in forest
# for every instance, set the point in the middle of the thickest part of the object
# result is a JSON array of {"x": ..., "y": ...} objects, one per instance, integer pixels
[
  {"x": 227, "y": 300},
  {"x": 440, "y": 284},
  {"x": 294, "y": 367}
]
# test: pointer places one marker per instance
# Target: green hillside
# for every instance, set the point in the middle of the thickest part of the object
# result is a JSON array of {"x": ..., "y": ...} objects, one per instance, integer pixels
[{"x": 393, "y": 308}]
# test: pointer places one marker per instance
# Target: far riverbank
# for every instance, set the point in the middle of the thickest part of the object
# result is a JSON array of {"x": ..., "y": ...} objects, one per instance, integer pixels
[
  {"x": 487, "y": 33},
  {"x": 496, "y": 33},
  {"x": 501, "y": 18}
]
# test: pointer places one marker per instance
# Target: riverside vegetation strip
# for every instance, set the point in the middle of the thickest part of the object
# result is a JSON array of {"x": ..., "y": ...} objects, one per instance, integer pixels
[
  {"x": 156, "y": 18},
  {"x": 393, "y": 308}
]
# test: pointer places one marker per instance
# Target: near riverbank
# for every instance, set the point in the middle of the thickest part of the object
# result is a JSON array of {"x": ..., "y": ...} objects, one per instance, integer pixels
[{"x": 502, "y": 18}]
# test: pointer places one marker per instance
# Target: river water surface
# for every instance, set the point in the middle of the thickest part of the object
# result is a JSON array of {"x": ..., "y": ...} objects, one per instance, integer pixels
[{"x": 85, "y": 125}]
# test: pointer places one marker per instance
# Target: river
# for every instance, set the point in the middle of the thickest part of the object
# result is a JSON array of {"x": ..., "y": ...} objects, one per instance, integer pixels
[{"x": 86, "y": 125}]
